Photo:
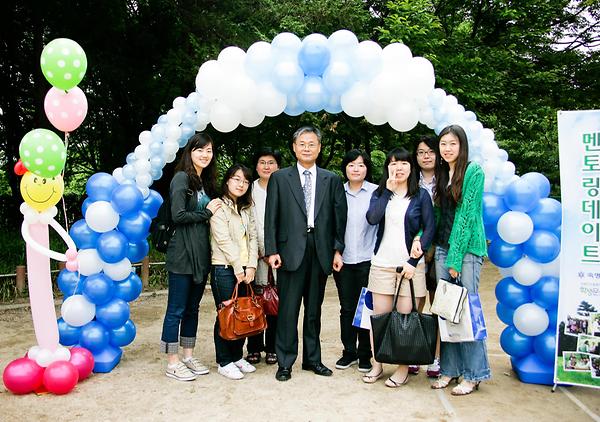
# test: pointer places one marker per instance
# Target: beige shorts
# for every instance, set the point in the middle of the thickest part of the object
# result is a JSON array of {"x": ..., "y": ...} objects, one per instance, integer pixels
[{"x": 384, "y": 281}]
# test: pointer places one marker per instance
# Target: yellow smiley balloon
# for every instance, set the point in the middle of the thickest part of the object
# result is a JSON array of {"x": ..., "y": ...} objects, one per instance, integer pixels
[{"x": 41, "y": 192}]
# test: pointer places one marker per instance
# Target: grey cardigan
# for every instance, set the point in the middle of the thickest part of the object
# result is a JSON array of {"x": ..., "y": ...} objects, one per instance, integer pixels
[{"x": 189, "y": 249}]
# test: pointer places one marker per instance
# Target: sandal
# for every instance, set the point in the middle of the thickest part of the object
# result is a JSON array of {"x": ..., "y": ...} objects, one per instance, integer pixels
[
  {"x": 465, "y": 388},
  {"x": 443, "y": 383},
  {"x": 392, "y": 383},
  {"x": 253, "y": 358},
  {"x": 370, "y": 379},
  {"x": 271, "y": 358}
]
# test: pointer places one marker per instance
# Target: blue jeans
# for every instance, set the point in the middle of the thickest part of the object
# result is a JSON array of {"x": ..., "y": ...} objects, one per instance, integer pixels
[
  {"x": 468, "y": 359},
  {"x": 181, "y": 318},
  {"x": 222, "y": 282}
]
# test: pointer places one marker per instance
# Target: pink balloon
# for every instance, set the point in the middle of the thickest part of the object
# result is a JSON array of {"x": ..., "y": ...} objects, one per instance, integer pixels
[
  {"x": 83, "y": 360},
  {"x": 66, "y": 110},
  {"x": 60, "y": 377},
  {"x": 22, "y": 376}
]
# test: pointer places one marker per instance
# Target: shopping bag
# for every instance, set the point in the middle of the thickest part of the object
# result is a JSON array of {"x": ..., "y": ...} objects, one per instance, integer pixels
[
  {"x": 364, "y": 310},
  {"x": 449, "y": 300},
  {"x": 471, "y": 326}
]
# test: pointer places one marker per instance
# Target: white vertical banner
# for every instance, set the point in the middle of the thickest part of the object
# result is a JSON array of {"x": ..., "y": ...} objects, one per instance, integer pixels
[{"x": 578, "y": 328}]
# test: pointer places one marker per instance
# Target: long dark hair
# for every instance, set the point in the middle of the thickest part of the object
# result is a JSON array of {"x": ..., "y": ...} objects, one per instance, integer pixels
[
  {"x": 400, "y": 154},
  {"x": 352, "y": 155},
  {"x": 208, "y": 177},
  {"x": 245, "y": 200},
  {"x": 454, "y": 192}
]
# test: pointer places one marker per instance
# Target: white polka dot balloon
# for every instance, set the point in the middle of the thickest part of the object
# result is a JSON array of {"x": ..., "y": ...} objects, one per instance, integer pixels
[
  {"x": 63, "y": 63},
  {"x": 43, "y": 153}
]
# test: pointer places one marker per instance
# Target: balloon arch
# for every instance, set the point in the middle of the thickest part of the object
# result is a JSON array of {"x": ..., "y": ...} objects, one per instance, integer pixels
[{"x": 291, "y": 76}]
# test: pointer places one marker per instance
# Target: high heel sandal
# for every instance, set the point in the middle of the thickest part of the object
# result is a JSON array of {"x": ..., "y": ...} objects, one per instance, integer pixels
[
  {"x": 462, "y": 390},
  {"x": 370, "y": 379},
  {"x": 441, "y": 383},
  {"x": 392, "y": 383}
]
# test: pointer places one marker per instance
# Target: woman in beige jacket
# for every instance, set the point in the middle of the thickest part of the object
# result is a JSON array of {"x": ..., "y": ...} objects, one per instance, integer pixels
[{"x": 234, "y": 249}]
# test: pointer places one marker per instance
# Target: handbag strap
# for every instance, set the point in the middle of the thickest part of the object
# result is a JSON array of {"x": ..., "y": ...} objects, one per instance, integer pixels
[{"x": 412, "y": 294}]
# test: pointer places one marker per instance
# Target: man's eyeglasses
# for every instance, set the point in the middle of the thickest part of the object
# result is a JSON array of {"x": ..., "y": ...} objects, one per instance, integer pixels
[{"x": 423, "y": 153}]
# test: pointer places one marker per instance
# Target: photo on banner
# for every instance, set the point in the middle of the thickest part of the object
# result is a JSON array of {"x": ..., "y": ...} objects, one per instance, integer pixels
[{"x": 578, "y": 329}]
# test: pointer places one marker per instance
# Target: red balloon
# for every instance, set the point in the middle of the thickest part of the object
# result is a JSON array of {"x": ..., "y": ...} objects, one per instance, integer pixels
[
  {"x": 22, "y": 376},
  {"x": 60, "y": 377},
  {"x": 83, "y": 360},
  {"x": 20, "y": 168}
]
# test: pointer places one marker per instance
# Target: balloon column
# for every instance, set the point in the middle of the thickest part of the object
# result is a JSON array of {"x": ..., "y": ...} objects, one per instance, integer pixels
[
  {"x": 42, "y": 153},
  {"x": 523, "y": 225}
]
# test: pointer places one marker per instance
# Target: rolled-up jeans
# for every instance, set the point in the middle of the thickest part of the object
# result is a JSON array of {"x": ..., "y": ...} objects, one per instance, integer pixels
[{"x": 469, "y": 358}]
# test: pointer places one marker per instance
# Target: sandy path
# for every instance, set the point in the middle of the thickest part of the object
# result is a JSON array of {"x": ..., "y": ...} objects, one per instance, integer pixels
[{"x": 138, "y": 390}]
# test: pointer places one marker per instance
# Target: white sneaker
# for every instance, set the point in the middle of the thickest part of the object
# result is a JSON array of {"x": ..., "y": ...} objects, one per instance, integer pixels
[
  {"x": 195, "y": 366},
  {"x": 180, "y": 372},
  {"x": 230, "y": 371},
  {"x": 245, "y": 366}
]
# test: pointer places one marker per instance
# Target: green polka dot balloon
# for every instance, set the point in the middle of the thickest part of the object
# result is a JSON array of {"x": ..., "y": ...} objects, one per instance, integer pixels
[
  {"x": 43, "y": 153},
  {"x": 63, "y": 63}
]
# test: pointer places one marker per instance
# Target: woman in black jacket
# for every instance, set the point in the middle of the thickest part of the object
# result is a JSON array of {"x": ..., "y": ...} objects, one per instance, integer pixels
[
  {"x": 188, "y": 254},
  {"x": 402, "y": 210}
]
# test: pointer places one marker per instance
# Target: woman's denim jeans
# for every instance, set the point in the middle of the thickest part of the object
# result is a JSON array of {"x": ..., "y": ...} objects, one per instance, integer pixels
[
  {"x": 468, "y": 359},
  {"x": 181, "y": 318}
]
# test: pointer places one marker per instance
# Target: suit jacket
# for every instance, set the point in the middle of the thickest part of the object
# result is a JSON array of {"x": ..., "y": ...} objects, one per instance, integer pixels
[{"x": 286, "y": 219}]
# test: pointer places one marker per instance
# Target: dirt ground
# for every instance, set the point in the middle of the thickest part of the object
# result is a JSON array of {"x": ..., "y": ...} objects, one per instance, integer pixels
[{"x": 137, "y": 388}]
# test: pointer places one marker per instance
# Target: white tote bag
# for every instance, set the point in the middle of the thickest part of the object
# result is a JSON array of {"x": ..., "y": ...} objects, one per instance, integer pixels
[{"x": 449, "y": 301}]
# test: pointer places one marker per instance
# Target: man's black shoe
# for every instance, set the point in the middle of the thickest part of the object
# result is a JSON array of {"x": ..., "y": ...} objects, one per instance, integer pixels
[
  {"x": 346, "y": 362},
  {"x": 318, "y": 369},
  {"x": 283, "y": 374}
]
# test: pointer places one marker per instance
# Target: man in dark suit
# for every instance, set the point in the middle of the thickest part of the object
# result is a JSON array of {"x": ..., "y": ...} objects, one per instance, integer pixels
[{"x": 305, "y": 221}]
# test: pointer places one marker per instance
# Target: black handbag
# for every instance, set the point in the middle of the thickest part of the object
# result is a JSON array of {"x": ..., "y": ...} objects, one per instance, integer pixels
[{"x": 407, "y": 339}]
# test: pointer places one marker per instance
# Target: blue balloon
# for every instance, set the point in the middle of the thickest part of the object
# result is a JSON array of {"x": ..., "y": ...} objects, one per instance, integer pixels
[
  {"x": 188, "y": 118},
  {"x": 547, "y": 215},
  {"x": 113, "y": 314},
  {"x": 129, "y": 172},
  {"x": 85, "y": 204},
  {"x": 136, "y": 251},
  {"x": 130, "y": 158},
  {"x": 94, "y": 336},
  {"x": 67, "y": 334},
  {"x": 514, "y": 343},
  {"x": 82, "y": 235},
  {"x": 504, "y": 254},
  {"x": 521, "y": 195},
  {"x": 544, "y": 346},
  {"x": 156, "y": 174},
  {"x": 288, "y": 77},
  {"x": 545, "y": 292},
  {"x": 127, "y": 199},
  {"x": 558, "y": 232},
  {"x": 314, "y": 55},
  {"x": 70, "y": 282},
  {"x": 512, "y": 294},
  {"x": 493, "y": 208},
  {"x": 193, "y": 101},
  {"x": 156, "y": 149},
  {"x": 99, "y": 187},
  {"x": 123, "y": 335},
  {"x": 491, "y": 231},
  {"x": 553, "y": 315},
  {"x": 135, "y": 226},
  {"x": 333, "y": 104},
  {"x": 540, "y": 181},
  {"x": 152, "y": 203},
  {"x": 112, "y": 246},
  {"x": 129, "y": 289},
  {"x": 98, "y": 288},
  {"x": 543, "y": 246},
  {"x": 312, "y": 95},
  {"x": 162, "y": 119},
  {"x": 293, "y": 107},
  {"x": 505, "y": 313}
]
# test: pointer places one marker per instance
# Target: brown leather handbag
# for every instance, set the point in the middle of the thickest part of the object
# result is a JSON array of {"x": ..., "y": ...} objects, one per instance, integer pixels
[
  {"x": 270, "y": 298},
  {"x": 241, "y": 317}
]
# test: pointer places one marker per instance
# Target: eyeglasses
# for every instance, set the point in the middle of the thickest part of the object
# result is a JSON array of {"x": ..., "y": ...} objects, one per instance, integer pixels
[
  {"x": 267, "y": 163},
  {"x": 307, "y": 146},
  {"x": 423, "y": 153},
  {"x": 240, "y": 181}
]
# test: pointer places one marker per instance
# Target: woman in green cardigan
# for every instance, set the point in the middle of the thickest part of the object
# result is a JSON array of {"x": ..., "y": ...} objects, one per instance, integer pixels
[{"x": 460, "y": 249}]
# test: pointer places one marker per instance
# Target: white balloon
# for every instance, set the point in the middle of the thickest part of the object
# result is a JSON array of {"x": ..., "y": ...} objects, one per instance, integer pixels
[
  {"x": 231, "y": 58},
  {"x": 531, "y": 319},
  {"x": 61, "y": 353},
  {"x": 526, "y": 271},
  {"x": 404, "y": 116},
  {"x": 174, "y": 116},
  {"x": 209, "y": 79},
  {"x": 376, "y": 114},
  {"x": 252, "y": 117},
  {"x": 515, "y": 227},
  {"x": 269, "y": 100},
  {"x": 173, "y": 132},
  {"x": 44, "y": 358},
  {"x": 179, "y": 103},
  {"x": 285, "y": 46},
  {"x": 101, "y": 217},
  {"x": 342, "y": 44},
  {"x": 146, "y": 138},
  {"x": 395, "y": 56},
  {"x": 436, "y": 97},
  {"x": 77, "y": 311},
  {"x": 259, "y": 61},
  {"x": 143, "y": 180},
  {"x": 355, "y": 101},
  {"x": 170, "y": 147},
  {"x": 142, "y": 152},
  {"x": 88, "y": 262},
  {"x": 33, "y": 352},
  {"x": 507, "y": 169},
  {"x": 239, "y": 92},
  {"x": 117, "y": 271},
  {"x": 118, "y": 175},
  {"x": 224, "y": 118},
  {"x": 368, "y": 60},
  {"x": 338, "y": 76},
  {"x": 505, "y": 272},
  {"x": 143, "y": 166}
]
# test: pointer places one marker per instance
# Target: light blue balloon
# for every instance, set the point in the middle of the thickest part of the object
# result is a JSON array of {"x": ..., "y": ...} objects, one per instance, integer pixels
[
  {"x": 162, "y": 119},
  {"x": 338, "y": 77},
  {"x": 157, "y": 162},
  {"x": 470, "y": 116},
  {"x": 313, "y": 95},
  {"x": 159, "y": 131},
  {"x": 192, "y": 101},
  {"x": 130, "y": 159},
  {"x": 293, "y": 107},
  {"x": 188, "y": 118},
  {"x": 156, "y": 149},
  {"x": 333, "y": 104},
  {"x": 314, "y": 55},
  {"x": 288, "y": 77},
  {"x": 156, "y": 173},
  {"x": 129, "y": 172},
  {"x": 187, "y": 130}
]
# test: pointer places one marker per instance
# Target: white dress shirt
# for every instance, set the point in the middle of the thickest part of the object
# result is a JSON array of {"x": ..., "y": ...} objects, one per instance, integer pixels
[{"x": 313, "y": 179}]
